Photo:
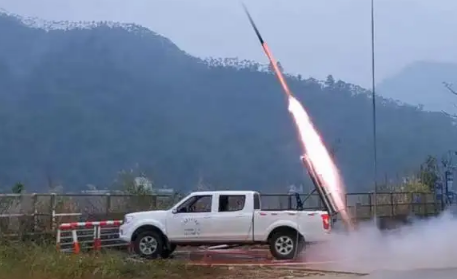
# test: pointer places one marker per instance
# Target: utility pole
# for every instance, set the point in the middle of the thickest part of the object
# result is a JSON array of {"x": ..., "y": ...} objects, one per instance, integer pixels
[
  {"x": 373, "y": 90},
  {"x": 448, "y": 193}
]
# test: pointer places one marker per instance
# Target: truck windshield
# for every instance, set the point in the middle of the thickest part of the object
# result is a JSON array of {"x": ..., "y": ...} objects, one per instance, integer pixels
[{"x": 199, "y": 203}]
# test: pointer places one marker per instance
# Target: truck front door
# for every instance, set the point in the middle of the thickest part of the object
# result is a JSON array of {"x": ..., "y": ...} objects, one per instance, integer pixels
[{"x": 191, "y": 221}]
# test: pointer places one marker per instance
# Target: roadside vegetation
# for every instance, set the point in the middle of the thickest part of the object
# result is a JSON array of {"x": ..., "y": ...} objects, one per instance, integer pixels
[{"x": 31, "y": 261}]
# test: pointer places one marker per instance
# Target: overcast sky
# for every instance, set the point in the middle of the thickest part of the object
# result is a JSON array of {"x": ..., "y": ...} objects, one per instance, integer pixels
[{"x": 311, "y": 37}]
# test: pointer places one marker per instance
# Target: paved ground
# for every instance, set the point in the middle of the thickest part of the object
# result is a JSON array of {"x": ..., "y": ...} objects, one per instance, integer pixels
[
  {"x": 297, "y": 273},
  {"x": 443, "y": 273},
  {"x": 329, "y": 270}
]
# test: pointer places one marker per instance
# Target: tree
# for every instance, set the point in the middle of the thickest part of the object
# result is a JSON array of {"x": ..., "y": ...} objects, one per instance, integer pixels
[
  {"x": 278, "y": 64},
  {"x": 18, "y": 188},
  {"x": 330, "y": 81},
  {"x": 449, "y": 87},
  {"x": 134, "y": 182},
  {"x": 415, "y": 185},
  {"x": 429, "y": 172}
]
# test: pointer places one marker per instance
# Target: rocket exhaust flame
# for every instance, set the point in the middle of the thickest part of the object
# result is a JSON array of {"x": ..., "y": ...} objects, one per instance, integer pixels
[
  {"x": 319, "y": 163},
  {"x": 317, "y": 160}
]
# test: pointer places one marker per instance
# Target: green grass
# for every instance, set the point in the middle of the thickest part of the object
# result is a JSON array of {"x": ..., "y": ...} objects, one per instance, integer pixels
[{"x": 31, "y": 261}]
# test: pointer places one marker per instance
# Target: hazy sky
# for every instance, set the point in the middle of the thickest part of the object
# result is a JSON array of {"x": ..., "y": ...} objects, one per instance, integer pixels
[{"x": 311, "y": 37}]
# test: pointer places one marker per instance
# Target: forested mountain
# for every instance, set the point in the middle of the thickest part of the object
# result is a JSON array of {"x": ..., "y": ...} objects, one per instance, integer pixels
[{"x": 80, "y": 105}]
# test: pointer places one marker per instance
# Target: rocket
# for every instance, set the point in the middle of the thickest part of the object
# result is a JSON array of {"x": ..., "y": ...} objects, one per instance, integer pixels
[{"x": 267, "y": 51}]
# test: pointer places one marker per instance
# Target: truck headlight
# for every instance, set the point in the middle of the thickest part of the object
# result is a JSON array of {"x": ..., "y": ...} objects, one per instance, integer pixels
[{"x": 127, "y": 219}]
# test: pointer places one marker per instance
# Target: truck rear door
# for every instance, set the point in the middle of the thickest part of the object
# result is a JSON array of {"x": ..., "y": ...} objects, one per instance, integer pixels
[{"x": 233, "y": 220}]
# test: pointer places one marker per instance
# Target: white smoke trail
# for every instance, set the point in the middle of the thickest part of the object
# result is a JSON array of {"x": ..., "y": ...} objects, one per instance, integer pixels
[{"x": 430, "y": 243}]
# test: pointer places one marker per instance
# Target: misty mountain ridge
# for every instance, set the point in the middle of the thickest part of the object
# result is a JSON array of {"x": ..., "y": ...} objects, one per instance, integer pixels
[
  {"x": 78, "y": 105},
  {"x": 421, "y": 84},
  {"x": 234, "y": 62},
  {"x": 50, "y": 25}
]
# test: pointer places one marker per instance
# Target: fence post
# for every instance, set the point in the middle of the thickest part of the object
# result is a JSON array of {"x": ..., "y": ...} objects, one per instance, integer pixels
[
  {"x": 97, "y": 238},
  {"x": 108, "y": 205},
  {"x": 174, "y": 198},
  {"x": 392, "y": 204},
  {"x": 436, "y": 206},
  {"x": 370, "y": 204},
  {"x": 412, "y": 206},
  {"x": 35, "y": 212},
  {"x": 53, "y": 211},
  {"x": 424, "y": 204},
  {"x": 58, "y": 236},
  {"x": 154, "y": 198}
]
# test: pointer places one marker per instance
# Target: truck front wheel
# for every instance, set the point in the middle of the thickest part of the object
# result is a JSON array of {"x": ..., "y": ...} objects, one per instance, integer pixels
[
  {"x": 167, "y": 251},
  {"x": 149, "y": 244},
  {"x": 284, "y": 244}
]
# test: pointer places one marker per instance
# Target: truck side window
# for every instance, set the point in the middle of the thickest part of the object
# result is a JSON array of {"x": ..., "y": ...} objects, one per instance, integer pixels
[
  {"x": 256, "y": 201},
  {"x": 196, "y": 204},
  {"x": 230, "y": 203}
]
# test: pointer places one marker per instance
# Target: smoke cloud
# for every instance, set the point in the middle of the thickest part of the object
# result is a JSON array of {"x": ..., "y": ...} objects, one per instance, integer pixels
[{"x": 424, "y": 244}]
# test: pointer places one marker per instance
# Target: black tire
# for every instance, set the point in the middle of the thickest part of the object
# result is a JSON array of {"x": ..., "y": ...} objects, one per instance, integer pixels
[
  {"x": 168, "y": 251},
  {"x": 284, "y": 244},
  {"x": 149, "y": 244},
  {"x": 301, "y": 245}
]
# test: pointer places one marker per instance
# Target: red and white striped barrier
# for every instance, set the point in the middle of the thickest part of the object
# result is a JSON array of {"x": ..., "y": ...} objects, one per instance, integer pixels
[
  {"x": 68, "y": 226},
  {"x": 74, "y": 226}
]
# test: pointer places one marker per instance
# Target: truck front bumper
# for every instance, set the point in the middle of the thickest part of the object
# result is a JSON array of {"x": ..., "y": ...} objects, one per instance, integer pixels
[{"x": 125, "y": 232}]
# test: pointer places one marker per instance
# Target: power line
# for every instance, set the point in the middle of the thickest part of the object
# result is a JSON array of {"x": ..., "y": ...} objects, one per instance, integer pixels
[{"x": 373, "y": 90}]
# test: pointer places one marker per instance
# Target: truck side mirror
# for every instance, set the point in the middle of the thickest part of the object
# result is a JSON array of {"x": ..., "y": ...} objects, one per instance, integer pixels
[{"x": 174, "y": 211}]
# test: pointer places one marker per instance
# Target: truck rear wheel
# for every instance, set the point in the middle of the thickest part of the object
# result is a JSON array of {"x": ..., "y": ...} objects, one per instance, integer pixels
[
  {"x": 149, "y": 244},
  {"x": 284, "y": 244}
]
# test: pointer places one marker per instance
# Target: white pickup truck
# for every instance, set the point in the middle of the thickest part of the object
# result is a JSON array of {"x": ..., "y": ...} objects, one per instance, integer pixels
[{"x": 223, "y": 217}]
